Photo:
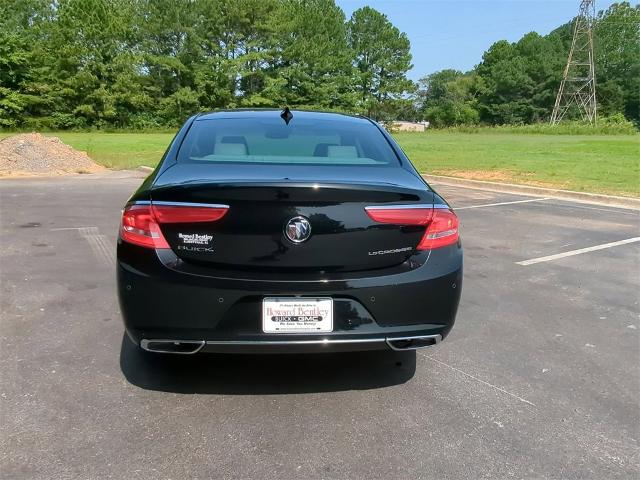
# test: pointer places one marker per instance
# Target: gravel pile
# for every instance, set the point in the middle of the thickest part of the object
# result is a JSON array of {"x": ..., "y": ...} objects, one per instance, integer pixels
[{"x": 35, "y": 154}]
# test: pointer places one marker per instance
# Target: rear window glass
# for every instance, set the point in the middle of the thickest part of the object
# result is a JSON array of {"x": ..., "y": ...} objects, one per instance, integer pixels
[{"x": 272, "y": 141}]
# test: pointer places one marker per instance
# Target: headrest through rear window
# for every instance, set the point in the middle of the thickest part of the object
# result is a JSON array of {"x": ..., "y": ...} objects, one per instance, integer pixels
[
  {"x": 342, "y": 151},
  {"x": 322, "y": 149},
  {"x": 230, "y": 149},
  {"x": 234, "y": 139}
]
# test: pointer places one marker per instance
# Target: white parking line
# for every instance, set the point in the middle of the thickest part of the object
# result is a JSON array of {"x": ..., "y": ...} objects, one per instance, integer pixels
[
  {"x": 67, "y": 228},
  {"x": 502, "y": 203},
  {"x": 479, "y": 380},
  {"x": 571, "y": 253}
]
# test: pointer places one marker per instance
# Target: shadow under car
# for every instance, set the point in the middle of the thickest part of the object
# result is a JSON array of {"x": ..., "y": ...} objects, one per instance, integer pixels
[{"x": 245, "y": 374}]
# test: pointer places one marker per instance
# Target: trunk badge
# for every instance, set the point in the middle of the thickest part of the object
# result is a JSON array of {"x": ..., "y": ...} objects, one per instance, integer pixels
[{"x": 298, "y": 229}]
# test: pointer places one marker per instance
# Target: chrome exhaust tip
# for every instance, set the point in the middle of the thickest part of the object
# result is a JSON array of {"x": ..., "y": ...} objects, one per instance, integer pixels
[
  {"x": 401, "y": 344},
  {"x": 181, "y": 347}
]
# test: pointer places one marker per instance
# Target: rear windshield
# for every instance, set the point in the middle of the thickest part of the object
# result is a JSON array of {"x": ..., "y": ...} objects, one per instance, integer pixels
[{"x": 272, "y": 141}]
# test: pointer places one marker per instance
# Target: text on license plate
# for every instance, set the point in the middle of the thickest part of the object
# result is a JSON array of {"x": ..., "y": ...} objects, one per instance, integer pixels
[{"x": 297, "y": 315}]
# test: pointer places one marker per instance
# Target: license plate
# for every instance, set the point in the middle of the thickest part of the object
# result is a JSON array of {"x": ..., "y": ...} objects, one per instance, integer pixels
[{"x": 297, "y": 315}]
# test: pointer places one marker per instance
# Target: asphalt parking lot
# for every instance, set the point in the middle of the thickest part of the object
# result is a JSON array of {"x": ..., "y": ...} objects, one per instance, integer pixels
[{"x": 539, "y": 378}]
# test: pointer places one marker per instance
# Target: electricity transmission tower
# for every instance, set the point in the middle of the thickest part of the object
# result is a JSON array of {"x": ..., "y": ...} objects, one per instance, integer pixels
[{"x": 578, "y": 86}]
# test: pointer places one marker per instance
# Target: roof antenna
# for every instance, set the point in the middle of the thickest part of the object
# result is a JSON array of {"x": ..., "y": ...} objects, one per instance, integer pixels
[{"x": 286, "y": 115}]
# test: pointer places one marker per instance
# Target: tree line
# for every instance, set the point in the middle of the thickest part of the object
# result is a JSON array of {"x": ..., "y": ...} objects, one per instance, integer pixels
[
  {"x": 517, "y": 83},
  {"x": 68, "y": 64}
]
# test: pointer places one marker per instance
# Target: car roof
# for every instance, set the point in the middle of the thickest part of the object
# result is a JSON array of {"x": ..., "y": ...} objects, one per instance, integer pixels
[{"x": 274, "y": 112}]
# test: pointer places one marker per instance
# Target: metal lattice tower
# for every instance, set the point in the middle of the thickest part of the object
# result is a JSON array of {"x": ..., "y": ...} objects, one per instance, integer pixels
[{"x": 578, "y": 87}]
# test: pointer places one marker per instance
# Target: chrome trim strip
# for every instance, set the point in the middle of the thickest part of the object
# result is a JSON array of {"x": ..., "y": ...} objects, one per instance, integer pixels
[
  {"x": 392, "y": 207},
  {"x": 437, "y": 338},
  {"x": 294, "y": 342},
  {"x": 144, "y": 344},
  {"x": 221, "y": 205},
  {"x": 417, "y": 205},
  {"x": 199, "y": 344},
  {"x": 190, "y": 204}
]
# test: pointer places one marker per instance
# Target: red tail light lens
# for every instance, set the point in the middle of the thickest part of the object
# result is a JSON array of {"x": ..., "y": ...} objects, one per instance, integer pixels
[
  {"x": 140, "y": 227},
  {"x": 141, "y": 223},
  {"x": 442, "y": 223},
  {"x": 188, "y": 213},
  {"x": 401, "y": 216},
  {"x": 442, "y": 231}
]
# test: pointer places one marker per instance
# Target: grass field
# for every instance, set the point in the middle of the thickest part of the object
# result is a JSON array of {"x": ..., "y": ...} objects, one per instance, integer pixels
[{"x": 592, "y": 163}]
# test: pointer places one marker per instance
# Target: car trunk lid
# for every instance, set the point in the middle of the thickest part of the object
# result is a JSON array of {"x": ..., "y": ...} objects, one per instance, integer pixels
[{"x": 286, "y": 219}]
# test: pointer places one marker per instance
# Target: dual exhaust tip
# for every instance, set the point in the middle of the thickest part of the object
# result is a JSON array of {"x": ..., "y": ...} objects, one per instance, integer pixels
[
  {"x": 189, "y": 347},
  {"x": 182, "y": 347},
  {"x": 413, "y": 343}
]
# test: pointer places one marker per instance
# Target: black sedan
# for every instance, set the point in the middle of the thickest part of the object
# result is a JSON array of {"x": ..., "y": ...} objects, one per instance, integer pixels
[{"x": 269, "y": 231}]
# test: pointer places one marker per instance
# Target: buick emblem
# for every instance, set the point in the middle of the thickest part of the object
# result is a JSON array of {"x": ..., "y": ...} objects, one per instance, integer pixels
[{"x": 298, "y": 229}]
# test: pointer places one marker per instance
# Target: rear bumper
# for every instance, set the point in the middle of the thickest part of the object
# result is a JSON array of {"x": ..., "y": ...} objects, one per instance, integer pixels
[
  {"x": 212, "y": 314},
  {"x": 289, "y": 345}
]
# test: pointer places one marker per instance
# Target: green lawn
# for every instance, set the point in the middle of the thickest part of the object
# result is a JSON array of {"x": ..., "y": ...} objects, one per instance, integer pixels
[
  {"x": 591, "y": 163},
  {"x": 602, "y": 164}
]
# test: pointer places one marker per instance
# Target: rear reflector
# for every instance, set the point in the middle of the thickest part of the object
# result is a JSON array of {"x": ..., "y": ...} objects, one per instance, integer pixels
[
  {"x": 141, "y": 223},
  {"x": 441, "y": 223}
]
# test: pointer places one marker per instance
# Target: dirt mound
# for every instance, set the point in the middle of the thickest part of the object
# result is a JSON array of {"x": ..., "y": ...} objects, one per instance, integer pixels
[{"x": 35, "y": 154}]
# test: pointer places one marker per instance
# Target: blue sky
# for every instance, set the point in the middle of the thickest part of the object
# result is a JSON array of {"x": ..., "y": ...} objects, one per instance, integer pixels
[{"x": 455, "y": 33}]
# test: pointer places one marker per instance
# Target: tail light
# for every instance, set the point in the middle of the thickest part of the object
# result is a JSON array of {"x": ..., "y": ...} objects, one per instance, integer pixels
[
  {"x": 401, "y": 215},
  {"x": 441, "y": 223},
  {"x": 140, "y": 227},
  {"x": 141, "y": 223},
  {"x": 188, "y": 213},
  {"x": 442, "y": 231}
]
